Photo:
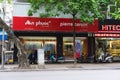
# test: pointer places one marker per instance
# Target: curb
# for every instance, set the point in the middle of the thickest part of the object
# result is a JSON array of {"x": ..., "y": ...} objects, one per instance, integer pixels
[
  {"x": 57, "y": 69},
  {"x": 62, "y": 67}
]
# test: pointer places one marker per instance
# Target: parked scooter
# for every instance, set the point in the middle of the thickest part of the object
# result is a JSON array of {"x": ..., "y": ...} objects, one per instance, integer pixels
[
  {"x": 105, "y": 57},
  {"x": 54, "y": 59}
]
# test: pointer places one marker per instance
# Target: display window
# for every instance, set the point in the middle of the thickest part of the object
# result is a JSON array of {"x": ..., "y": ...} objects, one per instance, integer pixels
[
  {"x": 114, "y": 47},
  {"x": 68, "y": 46},
  {"x": 109, "y": 45},
  {"x": 49, "y": 48},
  {"x": 35, "y": 43}
]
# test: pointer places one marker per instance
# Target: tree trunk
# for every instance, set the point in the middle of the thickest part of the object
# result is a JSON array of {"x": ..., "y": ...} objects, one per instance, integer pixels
[
  {"x": 74, "y": 35},
  {"x": 22, "y": 54}
]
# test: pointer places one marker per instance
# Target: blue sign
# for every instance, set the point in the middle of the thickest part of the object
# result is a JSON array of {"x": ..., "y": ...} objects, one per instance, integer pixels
[{"x": 5, "y": 37}]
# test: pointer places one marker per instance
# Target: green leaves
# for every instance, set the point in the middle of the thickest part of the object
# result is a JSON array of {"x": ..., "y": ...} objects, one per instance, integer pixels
[
  {"x": 115, "y": 9},
  {"x": 116, "y": 15},
  {"x": 9, "y": 1},
  {"x": 30, "y": 13},
  {"x": 60, "y": 6},
  {"x": 86, "y": 10}
]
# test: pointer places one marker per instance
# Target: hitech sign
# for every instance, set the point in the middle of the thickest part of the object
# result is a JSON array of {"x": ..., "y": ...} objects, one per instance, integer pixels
[{"x": 110, "y": 27}]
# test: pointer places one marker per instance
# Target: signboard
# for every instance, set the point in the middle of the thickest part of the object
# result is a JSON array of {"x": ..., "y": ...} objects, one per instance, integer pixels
[
  {"x": 5, "y": 36},
  {"x": 41, "y": 60},
  {"x": 52, "y": 24},
  {"x": 109, "y": 26}
]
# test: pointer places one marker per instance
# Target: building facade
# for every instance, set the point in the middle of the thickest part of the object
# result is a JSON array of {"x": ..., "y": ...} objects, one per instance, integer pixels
[
  {"x": 54, "y": 35},
  {"x": 108, "y": 37}
]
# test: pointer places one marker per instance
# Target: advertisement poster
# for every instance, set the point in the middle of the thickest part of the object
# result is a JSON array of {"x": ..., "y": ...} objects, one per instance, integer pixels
[{"x": 78, "y": 48}]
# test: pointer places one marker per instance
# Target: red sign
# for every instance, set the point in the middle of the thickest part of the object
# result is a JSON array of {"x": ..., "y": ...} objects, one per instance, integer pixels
[{"x": 52, "y": 24}]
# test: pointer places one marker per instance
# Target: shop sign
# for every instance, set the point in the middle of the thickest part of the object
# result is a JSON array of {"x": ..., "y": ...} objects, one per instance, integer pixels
[
  {"x": 52, "y": 24},
  {"x": 109, "y": 26}
]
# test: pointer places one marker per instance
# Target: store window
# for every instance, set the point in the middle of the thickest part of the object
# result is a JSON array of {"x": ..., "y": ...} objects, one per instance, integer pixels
[
  {"x": 114, "y": 47},
  {"x": 34, "y": 43},
  {"x": 68, "y": 46},
  {"x": 109, "y": 45},
  {"x": 49, "y": 48}
]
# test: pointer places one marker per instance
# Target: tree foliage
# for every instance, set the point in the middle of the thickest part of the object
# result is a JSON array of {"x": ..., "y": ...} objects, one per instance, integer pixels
[
  {"x": 118, "y": 3},
  {"x": 9, "y": 1},
  {"x": 116, "y": 13},
  {"x": 104, "y": 3},
  {"x": 86, "y": 10}
]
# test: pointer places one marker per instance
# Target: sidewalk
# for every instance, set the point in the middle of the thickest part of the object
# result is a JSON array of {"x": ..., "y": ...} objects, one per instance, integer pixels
[{"x": 64, "y": 66}]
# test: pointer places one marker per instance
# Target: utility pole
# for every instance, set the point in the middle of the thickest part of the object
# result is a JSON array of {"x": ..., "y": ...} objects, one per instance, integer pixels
[{"x": 3, "y": 35}]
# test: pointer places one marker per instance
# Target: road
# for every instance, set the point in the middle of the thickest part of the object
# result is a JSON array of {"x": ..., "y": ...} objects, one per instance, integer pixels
[{"x": 62, "y": 75}]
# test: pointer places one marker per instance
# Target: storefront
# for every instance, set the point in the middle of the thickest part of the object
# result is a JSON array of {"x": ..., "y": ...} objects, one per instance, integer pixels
[
  {"x": 108, "y": 37},
  {"x": 54, "y": 35}
]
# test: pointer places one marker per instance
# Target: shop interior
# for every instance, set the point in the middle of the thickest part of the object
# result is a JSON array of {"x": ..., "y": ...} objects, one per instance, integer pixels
[
  {"x": 109, "y": 45},
  {"x": 49, "y": 44}
]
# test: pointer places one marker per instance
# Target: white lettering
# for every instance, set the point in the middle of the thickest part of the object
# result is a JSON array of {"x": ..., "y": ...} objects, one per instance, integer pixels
[
  {"x": 64, "y": 24},
  {"x": 43, "y": 24},
  {"x": 29, "y": 23},
  {"x": 111, "y": 27}
]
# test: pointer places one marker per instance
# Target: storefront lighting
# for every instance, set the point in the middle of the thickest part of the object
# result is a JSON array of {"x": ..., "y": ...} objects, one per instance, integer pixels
[{"x": 68, "y": 43}]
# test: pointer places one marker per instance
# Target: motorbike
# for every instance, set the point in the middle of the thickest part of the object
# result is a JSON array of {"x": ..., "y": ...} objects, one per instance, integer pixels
[
  {"x": 105, "y": 58},
  {"x": 54, "y": 59}
]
